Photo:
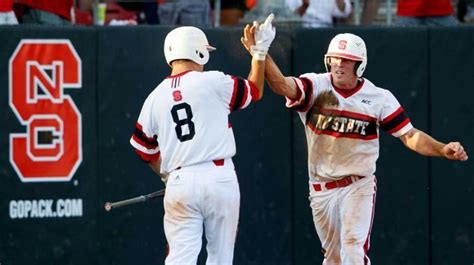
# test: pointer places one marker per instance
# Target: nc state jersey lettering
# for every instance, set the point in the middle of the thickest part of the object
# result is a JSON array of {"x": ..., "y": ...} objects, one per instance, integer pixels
[
  {"x": 344, "y": 139},
  {"x": 185, "y": 119}
]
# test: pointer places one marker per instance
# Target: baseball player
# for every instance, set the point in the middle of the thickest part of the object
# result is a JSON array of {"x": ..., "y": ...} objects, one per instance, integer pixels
[
  {"x": 183, "y": 132},
  {"x": 342, "y": 114}
]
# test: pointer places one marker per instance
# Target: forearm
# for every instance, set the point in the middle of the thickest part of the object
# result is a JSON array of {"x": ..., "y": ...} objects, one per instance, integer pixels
[
  {"x": 423, "y": 144},
  {"x": 156, "y": 166},
  {"x": 257, "y": 75},
  {"x": 279, "y": 84}
]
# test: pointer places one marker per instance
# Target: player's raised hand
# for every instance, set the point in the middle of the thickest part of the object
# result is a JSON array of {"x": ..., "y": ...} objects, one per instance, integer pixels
[
  {"x": 258, "y": 38},
  {"x": 265, "y": 33},
  {"x": 248, "y": 40},
  {"x": 454, "y": 151}
]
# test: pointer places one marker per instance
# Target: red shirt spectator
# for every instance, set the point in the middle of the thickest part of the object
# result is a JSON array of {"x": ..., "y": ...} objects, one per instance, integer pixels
[
  {"x": 6, "y": 5},
  {"x": 424, "y": 8},
  {"x": 61, "y": 8}
]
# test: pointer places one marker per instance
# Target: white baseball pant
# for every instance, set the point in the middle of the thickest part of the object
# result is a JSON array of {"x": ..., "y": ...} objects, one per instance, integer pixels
[
  {"x": 343, "y": 220},
  {"x": 203, "y": 196}
]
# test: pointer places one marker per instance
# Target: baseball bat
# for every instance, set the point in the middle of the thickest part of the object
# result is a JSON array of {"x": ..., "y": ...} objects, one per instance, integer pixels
[{"x": 142, "y": 198}]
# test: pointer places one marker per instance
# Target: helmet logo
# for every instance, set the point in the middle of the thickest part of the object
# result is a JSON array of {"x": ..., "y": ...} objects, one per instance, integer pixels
[{"x": 342, "y": 45}]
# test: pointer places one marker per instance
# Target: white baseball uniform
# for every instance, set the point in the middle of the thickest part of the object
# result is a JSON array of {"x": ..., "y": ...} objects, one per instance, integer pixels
[
  {"x": 343, "y": 146},
  {"x": 185, "y": 121}
]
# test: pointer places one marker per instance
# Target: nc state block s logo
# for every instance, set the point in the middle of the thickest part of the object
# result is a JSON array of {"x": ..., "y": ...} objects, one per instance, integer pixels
[
  {"x": 51, "y": 147},
  {"x": 342, "y": 44}
]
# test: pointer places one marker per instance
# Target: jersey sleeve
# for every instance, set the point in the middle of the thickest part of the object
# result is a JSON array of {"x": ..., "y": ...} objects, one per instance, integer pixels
[
  {"x": 236, "y": 92},
  {"x": 394, "y": 119},
  {"x": 304, "y": 98},
  {"x": 144, "y": 138}
]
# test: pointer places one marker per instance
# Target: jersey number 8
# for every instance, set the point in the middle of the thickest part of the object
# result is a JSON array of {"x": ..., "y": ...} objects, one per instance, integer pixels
[{"x": 182, "y": 122}]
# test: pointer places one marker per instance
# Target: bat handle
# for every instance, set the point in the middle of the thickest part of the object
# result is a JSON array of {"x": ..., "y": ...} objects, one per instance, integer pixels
[
  {"x": 109, "y": 206},
  {"x": 155, "y": 194}
]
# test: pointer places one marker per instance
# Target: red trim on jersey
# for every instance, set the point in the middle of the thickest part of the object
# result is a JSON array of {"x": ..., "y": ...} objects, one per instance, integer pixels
[
  {"x": 180, "y": 74},
  {"x": 399, "y": 126},
  {"x": 246, "y": 94},
  {"x": 229, "y": 125},
  {"x": 308, "y": 90},
  {"x": 254, "y": 93},
  {"x": 154, "y": 144},
  {"x": 348, "y": 92},
  {"x": 342, "y": 135},
  {"x": 146, "y": 157},
  {"x": 234, "y": 93},
  {"x": 348, "y": 114},
  {"x": 392, "y": 116},
  {"x": 308, "y": 87},
  {"x": 140, "y": 142}
]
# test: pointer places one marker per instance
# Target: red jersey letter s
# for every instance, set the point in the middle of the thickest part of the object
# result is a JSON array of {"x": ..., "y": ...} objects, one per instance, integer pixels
[{"x": 51, "y": 147}]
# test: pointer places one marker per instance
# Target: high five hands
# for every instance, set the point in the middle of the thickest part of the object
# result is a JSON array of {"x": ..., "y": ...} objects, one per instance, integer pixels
[{"x": 258, "y": 38}]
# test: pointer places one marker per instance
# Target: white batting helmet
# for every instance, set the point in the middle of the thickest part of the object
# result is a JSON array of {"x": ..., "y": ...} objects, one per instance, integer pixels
[
  {"x": 348, "y": 46},
  {"x": 187, "y": 43}
]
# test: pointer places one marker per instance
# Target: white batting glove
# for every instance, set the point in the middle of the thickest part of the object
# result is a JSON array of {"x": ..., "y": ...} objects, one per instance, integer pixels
[{"x": 264, "y": 36}]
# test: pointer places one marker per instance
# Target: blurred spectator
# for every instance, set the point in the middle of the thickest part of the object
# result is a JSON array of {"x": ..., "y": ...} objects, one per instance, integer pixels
[
  {"x": 117, "y": 15},
  {"x": 369, "y": 11},
  {"x": 7, "y": 15},
  {"x": 139, "y": 9},
  {"x": 425, "y": 13},
  {"x": 232, "y": 11},
  {"x": 320, "y": 13},
  {"x": 51, "y": 12},
  {"x": 83, "y": 12},
  {"x": 261, "y": 9},
  {"x": 465, "y": 11},
  {"x": 185, "y": 12},
  {"x": 150, "y": 9},
  {"x": 146, "y": 11}
]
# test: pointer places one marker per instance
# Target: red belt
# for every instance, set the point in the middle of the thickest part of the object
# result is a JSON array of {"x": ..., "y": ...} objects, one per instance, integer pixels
[
  {"x": 337, "y": 183},
  {"x": 218, "y": 163}
]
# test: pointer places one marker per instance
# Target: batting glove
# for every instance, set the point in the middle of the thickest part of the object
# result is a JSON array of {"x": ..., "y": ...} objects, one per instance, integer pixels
[{"x": 264, "y": 36}]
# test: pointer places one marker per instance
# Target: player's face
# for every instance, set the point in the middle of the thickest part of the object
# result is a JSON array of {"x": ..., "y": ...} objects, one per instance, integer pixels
[{"x": 342, "y": 72}]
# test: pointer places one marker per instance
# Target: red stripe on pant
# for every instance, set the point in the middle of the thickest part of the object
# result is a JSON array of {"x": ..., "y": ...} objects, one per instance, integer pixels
[{"x": 367, "y": 241}]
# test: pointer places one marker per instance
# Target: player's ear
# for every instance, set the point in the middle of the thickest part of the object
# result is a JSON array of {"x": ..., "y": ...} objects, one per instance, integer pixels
[
  {"x": 327, "y": 63},
  {"x": 357, "y": 64}
]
